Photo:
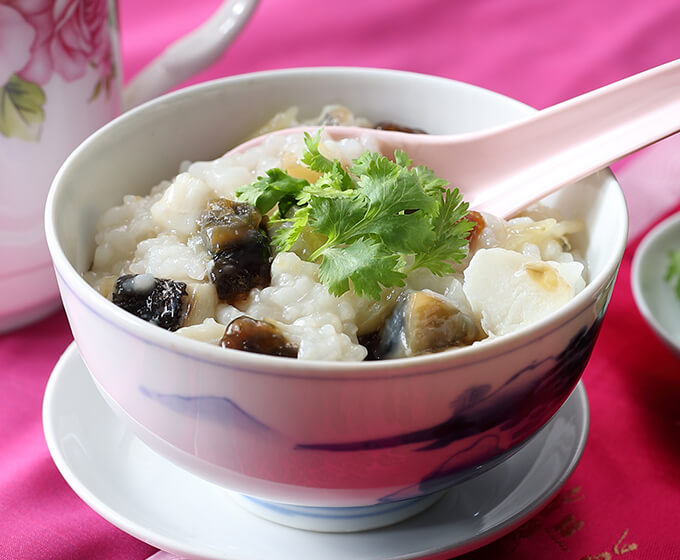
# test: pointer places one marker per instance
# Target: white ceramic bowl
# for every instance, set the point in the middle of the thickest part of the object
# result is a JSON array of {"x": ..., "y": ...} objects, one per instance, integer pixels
[
  {"x": 329, "y": 446},
  {"x": 653, "y": 295}
]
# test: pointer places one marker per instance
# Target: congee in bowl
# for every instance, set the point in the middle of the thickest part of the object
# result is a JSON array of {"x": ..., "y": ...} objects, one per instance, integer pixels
[
  {"x": 326, "y": 250},
  {"x": 476, "y": 349}
]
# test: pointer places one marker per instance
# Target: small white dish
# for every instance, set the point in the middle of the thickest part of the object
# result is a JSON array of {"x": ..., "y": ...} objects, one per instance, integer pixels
[
  {"x": 150, "y": 498},
  {"x": 655, "y": 297}
]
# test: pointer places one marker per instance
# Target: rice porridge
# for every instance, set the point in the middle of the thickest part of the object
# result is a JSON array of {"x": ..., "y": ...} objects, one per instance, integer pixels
[{"x": 196, "y": 257}]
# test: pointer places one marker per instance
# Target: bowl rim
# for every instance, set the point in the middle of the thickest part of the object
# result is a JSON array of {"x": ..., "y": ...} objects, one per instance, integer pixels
[
  {"x": 636, "y": 274},
  {"x": 273, "y": 365}
]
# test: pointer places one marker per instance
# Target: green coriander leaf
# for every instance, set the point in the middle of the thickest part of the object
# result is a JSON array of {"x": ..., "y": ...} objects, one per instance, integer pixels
[
  {"x": 448, "y": 220},
  {"x": 340, "y": 177},
  {"x": 402, "y": 233},
  {"x": 335, "y": 217},
  {"x": 673, "y": 271},
  {"x": 429, "y": 182},
  {"x": 450, "y": 235},
  {"x": 397, "y": 205},
  {"x": 268, "y": 191},
  {"x": 364, "y": 161},
  {"x": 366, "y": 263},
  {"x": 286, "y": 203},
  {"x": 288, "y": 233},
  {"x": 313, "y": 158},
  {"x": 401, "y": 159},
  {"x": 391, "y": 188},
  {"x": 333, "y": 184},
  {"x": 320, "y": 191},
  {"x": 360, "y": 164}
]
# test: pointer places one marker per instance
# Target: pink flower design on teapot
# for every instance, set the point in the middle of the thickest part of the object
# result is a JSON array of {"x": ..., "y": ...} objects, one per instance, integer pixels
[{"x": 41, "y": 38}]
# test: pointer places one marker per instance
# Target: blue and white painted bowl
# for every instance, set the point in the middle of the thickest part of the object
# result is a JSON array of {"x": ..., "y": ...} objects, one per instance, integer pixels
[{"x": 318, "y": 445}]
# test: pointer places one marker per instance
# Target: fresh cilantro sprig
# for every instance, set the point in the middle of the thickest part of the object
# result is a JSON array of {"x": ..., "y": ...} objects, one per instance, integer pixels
[
  {"x": 277, "y": 187},
  {"x": 379, "y": 219},
  {"x": 673, "y": 271}
]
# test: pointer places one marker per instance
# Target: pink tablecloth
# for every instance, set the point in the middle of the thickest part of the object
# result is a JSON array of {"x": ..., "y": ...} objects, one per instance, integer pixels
[{"x": 624, "y": 497}]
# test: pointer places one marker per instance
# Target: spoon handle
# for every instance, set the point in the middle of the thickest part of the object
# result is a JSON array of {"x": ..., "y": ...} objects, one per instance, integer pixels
[
  {"x": 511, "y": 167},
  {"x": 189, "y": 54}
]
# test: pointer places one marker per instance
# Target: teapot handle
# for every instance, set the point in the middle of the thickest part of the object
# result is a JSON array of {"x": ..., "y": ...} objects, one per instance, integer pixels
[{"x": 190, "y": 54}]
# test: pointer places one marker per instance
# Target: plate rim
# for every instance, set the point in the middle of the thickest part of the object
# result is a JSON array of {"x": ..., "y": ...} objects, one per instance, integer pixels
[{"x": 173, "y": 545}]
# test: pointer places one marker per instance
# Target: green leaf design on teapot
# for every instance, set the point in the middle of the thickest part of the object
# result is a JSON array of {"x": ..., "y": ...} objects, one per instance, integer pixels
[{"x": 21, "y": 109}]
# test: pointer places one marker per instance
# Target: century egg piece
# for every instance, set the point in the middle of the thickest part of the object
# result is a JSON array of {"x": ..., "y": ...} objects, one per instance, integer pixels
[
  {"x": 234, "y": 235},
  {"x": 385, "y": 125},
  {"x": 422, "y": 322},
  {"x": 157, "y": 300},
  {"x": 250, "y": 335}
]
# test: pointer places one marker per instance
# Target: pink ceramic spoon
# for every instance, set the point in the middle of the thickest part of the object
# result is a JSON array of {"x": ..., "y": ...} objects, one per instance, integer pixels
[{"x": 504, "y": 169}]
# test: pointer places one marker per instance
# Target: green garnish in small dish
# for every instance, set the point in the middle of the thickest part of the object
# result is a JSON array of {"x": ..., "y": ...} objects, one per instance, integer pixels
[
  {"x": 673, "y": 271},
  {"x": 378, "y": 220}
]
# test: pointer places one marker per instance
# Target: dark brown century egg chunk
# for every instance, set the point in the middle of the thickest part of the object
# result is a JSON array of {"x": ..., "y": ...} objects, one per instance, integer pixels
[
  {"x": 261, "y": 337},
  {"x": 234, "y": 234},
  {"x": 422, "y": 322},
  {"x": 157, "y": 300},
  {"x": 397, "y": 128},
  {"x": 225, "y": 221}
]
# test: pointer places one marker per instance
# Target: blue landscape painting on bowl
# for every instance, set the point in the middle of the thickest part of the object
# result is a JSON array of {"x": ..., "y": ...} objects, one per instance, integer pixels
[
  {"x": 485, "y": 426},
  {"x": 502, "y": 419}
]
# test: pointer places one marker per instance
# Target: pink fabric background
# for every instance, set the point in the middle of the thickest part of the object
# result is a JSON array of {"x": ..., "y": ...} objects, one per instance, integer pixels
[{"x": 624, "y": 497}]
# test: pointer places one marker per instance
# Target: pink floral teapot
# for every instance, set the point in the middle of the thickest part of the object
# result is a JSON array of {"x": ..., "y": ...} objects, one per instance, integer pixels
[{"x": 60, "y": 79}]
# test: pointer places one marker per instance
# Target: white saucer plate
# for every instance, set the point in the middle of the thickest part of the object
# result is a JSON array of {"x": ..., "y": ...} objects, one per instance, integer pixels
[{"x": 150, "y": 498}]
